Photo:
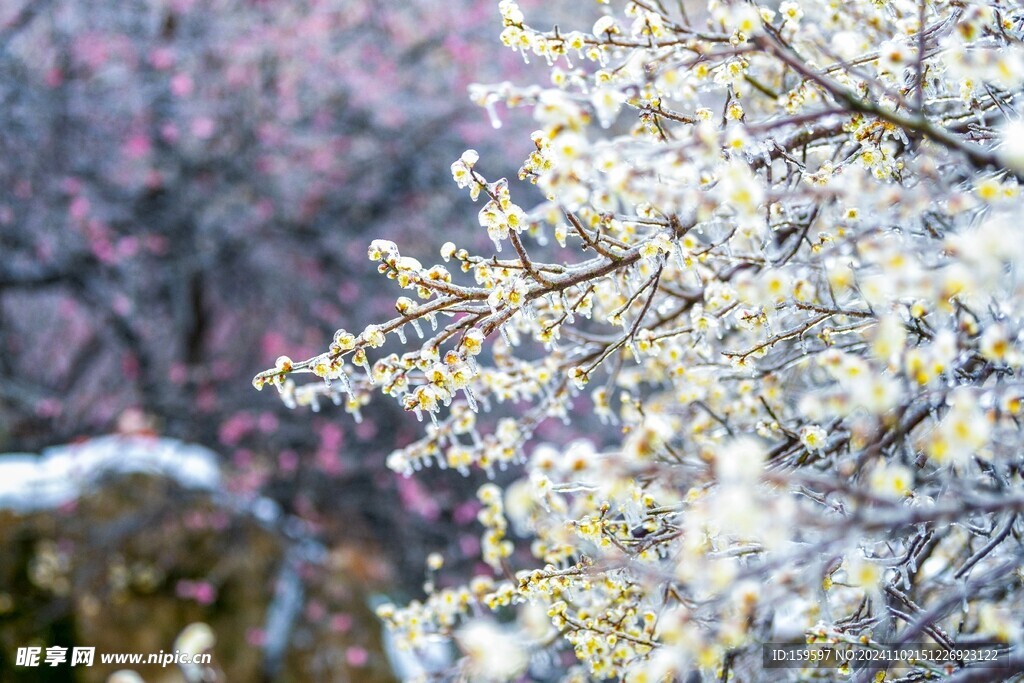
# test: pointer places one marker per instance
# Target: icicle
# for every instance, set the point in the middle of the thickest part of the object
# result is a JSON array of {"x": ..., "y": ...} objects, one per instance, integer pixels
[
  {"x": 314, "y": 404},
  {"x": 287, "y": 391},
  {"x": 635, "y": 350},
  {"x": 492, "y": 114},
  {"x": 497, "y": 243},
  {"x": 342, "y": 377},
  {"x": 365, "y": 365},
  {"x": 505, "y": 335},
  {"x": 632, "y": 276},
  {"x": 433, "y": 418},
  {"x": 470, "y": 399},
  {"x": 336, "y": 399},
  {"x": 327, "y": 382},
  {"x": 401, "y": 334},
  {"x": 358, "y": 416},
  {"x": 419, "y": 414},
  {"x": 416, "y": 326},
  {"x": 677, "y": 252},
  {"x": 433, "y": 321}
]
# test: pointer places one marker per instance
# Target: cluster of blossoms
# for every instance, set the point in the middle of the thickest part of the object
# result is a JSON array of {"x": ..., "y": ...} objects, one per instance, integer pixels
[{"x": 786, "y": 278}]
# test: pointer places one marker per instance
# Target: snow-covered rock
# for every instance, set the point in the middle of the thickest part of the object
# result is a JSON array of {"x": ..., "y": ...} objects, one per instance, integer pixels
[{"x": 62, "y": 474}]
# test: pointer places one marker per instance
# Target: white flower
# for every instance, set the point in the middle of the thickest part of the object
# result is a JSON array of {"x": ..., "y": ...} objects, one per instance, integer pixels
[
  {"x": 380, "y": 249},
  {"x": 963, "y": 431},
  {"x": 813, "y": 437},
  {"x": 607, "y": 102},
  {"x": 892, "y": 480},
  {"x": 995, "y": 344},
  {"x": 894, "y": 57},
  {"x": 791, "y": 11},
  {"x": 863, "y": 573},
  {"x": 492, "y": 652},
  {"x": 1011, "y": 146},
  {"x": 740, "y": 461},
  {"x": 373, "y": 336},
  {"x": 605, "y": 24},
  {"x": 195, "y": 639},
  {"x": 447, "y": 251},
  {"x": 510, "y": 12}
]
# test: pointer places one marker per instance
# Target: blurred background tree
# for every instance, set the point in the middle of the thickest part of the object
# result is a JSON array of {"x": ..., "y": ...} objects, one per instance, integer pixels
[{"x": 186, "y": 191}]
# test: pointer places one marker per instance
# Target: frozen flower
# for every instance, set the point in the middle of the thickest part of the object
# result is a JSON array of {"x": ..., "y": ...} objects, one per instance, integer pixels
[
  {"x": 373, "y": 336},
  {"x": 813, "y": 437},
  {"x": 492, "y": 652},
  {"x": 1011, "y": 147},
  {"x": 995, "y": 344},
  {"x": 791, "y": 11},
  {"x": 892, "y": 480},
  {"x": 894, "y": 57},
  {"x": 605, "y": 24},
  {"x": 962, "y": 432},
  {"x": 742, "y": 460},
  {"x": 380, "y": 249}
]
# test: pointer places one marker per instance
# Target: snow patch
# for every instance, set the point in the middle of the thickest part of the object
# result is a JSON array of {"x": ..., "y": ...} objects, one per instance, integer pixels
[{"x": 62, "y": 474}]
